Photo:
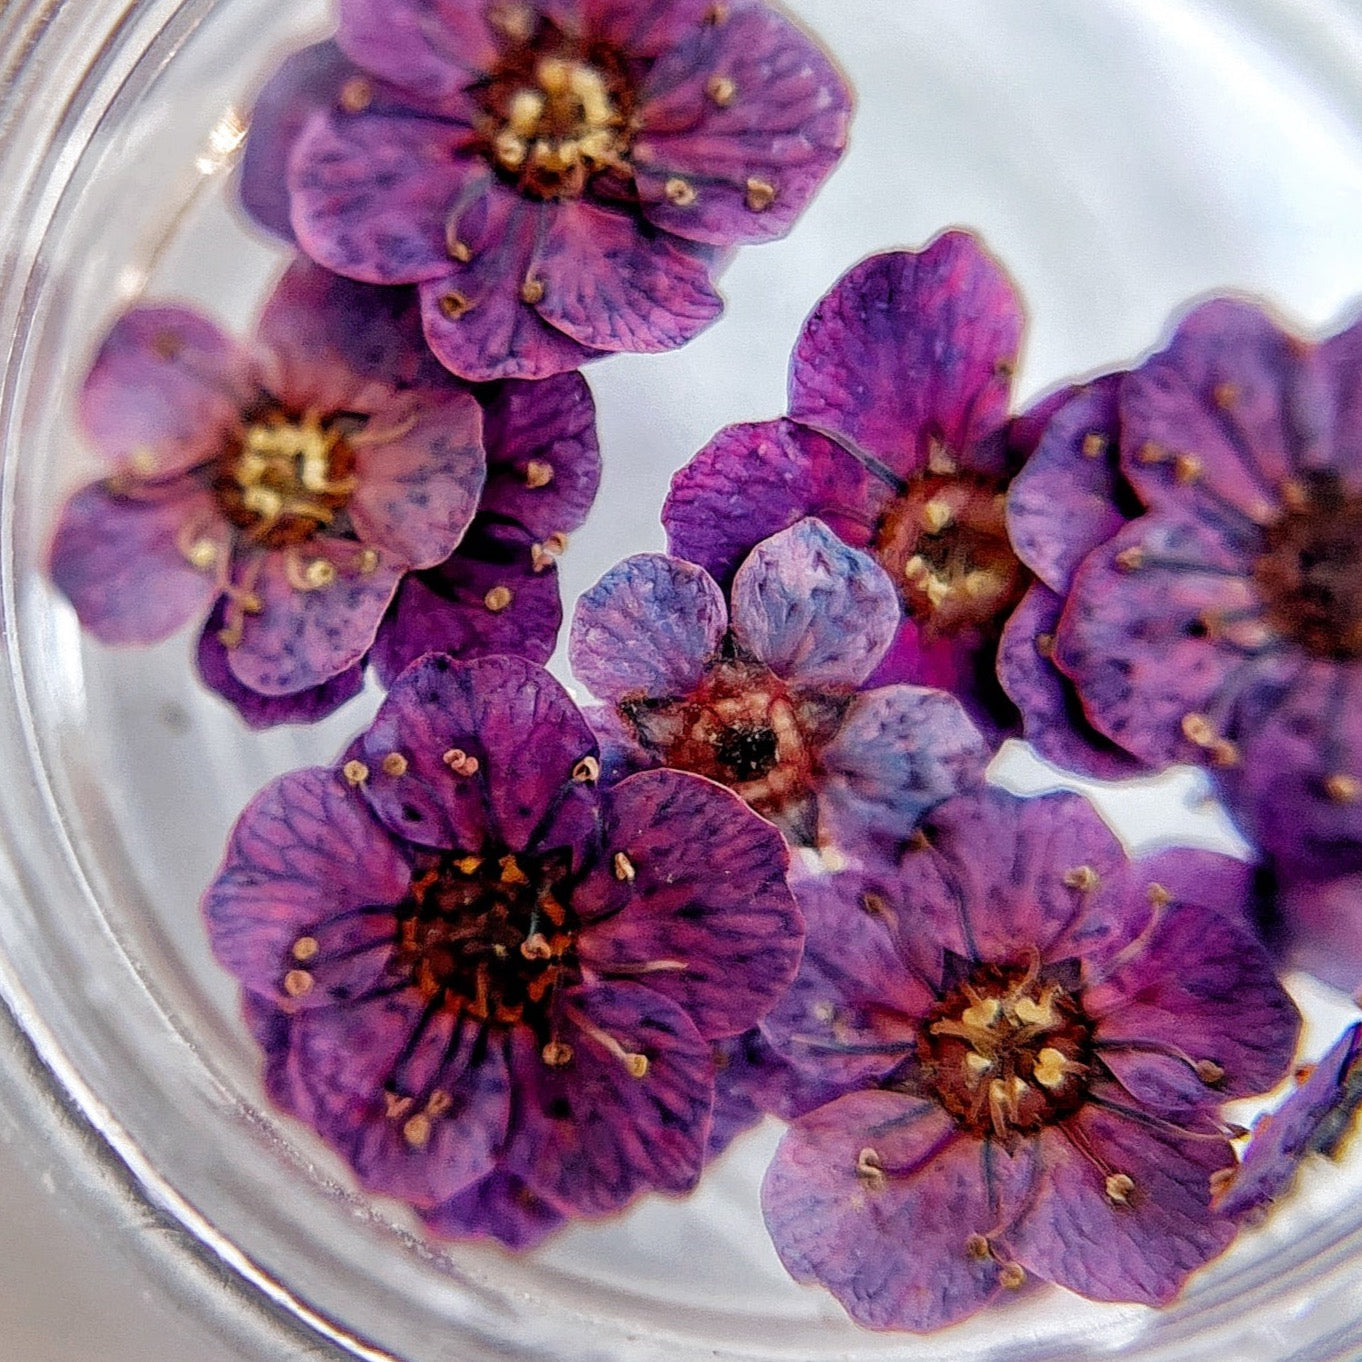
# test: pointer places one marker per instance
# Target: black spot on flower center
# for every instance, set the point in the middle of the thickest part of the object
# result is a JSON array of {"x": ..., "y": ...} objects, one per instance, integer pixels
[
  {"x": 1310, "y": 572},
  {"x": 746, "y": 751},
  {"x": 1007, "y": 1051}
]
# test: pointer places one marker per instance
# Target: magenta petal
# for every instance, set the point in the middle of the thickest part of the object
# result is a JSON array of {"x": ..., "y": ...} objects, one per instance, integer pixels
[
  {"x": 816, "y": 612},
  {"x": 303, "y": 636},
  {"x": 120, "y": 560},
  {"x": 911, "y": 350},
  {"x": 445, "y": 609},
  {"x": 751, "y": 481},
  {"x": 1340, "y": 361},
  {"x": 420, "y": 468},
  {"x": 306, "y": 857},
  {"x": 706, "y": 918},
  {"x": 543, "y": 457},
  {"x": 165, "y": 391},
  {"x": 1144, "y": 1250},
  {"x": 647, "y": 629},
  {"x": 612, "y": 286},
  {"x": 371, "y": 194},
  {"x": 783, "y": 128},
  {"x": 409, "y": 1094},
  {"x": 590, "y": 1135},
  {"x": 499, "y": 1207},
  {"x": 892, "y": 1244},
  {"x": 272, "y": 1028},
  {"x": 511, "y": 717},
  {"x": 900, "y": 751},
  {"x": 1324, "y": 929},
  {"x": 641, "y": 30},
  {"x": 434, "y": 48}
]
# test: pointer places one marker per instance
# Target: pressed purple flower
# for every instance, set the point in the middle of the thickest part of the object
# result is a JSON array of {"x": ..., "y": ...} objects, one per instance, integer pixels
[
  {"x": 1224, "y": 625},
  {"x": 1316, "y": 1119},
  {"x": 898, "y": 439},
  {"x": 1033, "y": 1036},
  {"x": 559, "y": 177},
  {"x": 502, "y": 982},
  {"x": 1316, "y": 924},
  {"x": 766, "y": 692}
]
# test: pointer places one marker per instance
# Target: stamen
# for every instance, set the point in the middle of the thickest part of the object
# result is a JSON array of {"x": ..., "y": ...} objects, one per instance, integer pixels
[
  {"x": 536, "y": 947},
  {"x": 511, "y": 873},
  {"x": 587, "y": 771},
  {"x": 679, "y": 192},
  {"x": 556, "y": 1054},
  {"x": 976, "y": 1247},
  {"x": 1130, "y": 559},
  {"x": 497, "y": 599},
  {"x": 454, "y": 305},
  {"x": 355, "y": 772},
  {"x": 1012, "y": 1276},
  {"x": 1094, "y": 445},
  {"x": 937, "y": 515},
  {"x": 538, "y": 474},
  {"x": 721, "y": 90},
  {"x": 1158, "y": 896},
  {"x": 1186, "y": 468},
  {"x": 417, "y": 1130},
  {"x": 624, "y": 868},
  {"x": 532, "y": 291},
  {"x": 870, "y": 1170},
  {"x": 305, "y": 949},
  {"x": 761, "y": 194},
  {"x": 1119, "y": 1187},
  {"x": 460, "y": 762},
  {"x": 1052, "y": 1067},
  {"x": 395, "y": 764},
  {"x": 356, "y": 95},
  {"x": 298, "y": 983},
  {"x": 1343, "y": 788},
  {"x": 1082, "y": 877}
]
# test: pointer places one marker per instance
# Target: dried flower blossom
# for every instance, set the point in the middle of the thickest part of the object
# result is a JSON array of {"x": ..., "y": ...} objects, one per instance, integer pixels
[
  {"x": 1316, "y": 1119},
  {"x": 559, "y": 177},
  {"x": 765, "y": 693},
  {"x": 1034, "y": 1036},
  {"x": 898, "y": 439},
  {"x": 500, "y": 982}
]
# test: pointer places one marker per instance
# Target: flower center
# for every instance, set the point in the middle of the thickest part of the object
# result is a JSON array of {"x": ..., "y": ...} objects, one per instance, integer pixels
[
  {"x": 944, "y": 542},
  {"x": 289, "y": 477},
  {"x": 488, "y": 937},
  {"x": 1007, "y": 1051},
  {"x": 1311, "y": 570}
]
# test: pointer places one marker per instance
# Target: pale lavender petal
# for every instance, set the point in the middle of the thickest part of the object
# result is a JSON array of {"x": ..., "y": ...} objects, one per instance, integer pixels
[
  {"x": 1323, "y": 928},
  {"x": 499, "y": 1207},
  {"x": 434, "y": 48},
  {"x": 1340, "y": 362}
]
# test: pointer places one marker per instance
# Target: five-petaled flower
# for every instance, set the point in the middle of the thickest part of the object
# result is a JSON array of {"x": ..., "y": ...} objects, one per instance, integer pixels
[
  {"x": 559, "y": 177},
  {"x": 488, "y": 981},
  {"x": 1034, "y": 1036}
]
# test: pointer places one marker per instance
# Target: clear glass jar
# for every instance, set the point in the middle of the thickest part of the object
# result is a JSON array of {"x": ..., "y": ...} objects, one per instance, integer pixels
[{"x": 1119, "y": 158}]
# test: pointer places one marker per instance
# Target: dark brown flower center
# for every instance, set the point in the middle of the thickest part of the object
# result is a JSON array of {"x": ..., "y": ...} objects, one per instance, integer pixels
[
  {"x": 289, "y": 476},
  {"x": 1007, "y": 1051},
  {"x": 1310, "y": 572},
  {"x": 944, "y": 542}
]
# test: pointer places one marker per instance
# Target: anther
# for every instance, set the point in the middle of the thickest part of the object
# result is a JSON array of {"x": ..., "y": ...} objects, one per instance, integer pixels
[
  {"x": 870, "y": 1169},
  {"x": 1082, "y": 877},
  {"x": 586, "y": 771},
  {"x": 1045, "y": 645},
  {"x": 317, "y": 573},
  {"x": 1094, "y": 445},
  {"x": 1225, "y": 395},
  {"x": 497, "y": 599},
  {"x": 1149, "y": 452},
  {"x": 458, "y": 250},
  {"x": 532, "y": 291},
  {"x": 1197, "y": 728},
  {"x": 716, "y": 14},
  {"x": 1209, "y": 1072},
  {"x": 976, "y": 1247},
  {"x": 460, "y": 762},
  {"x": 636, "y": 1064},
  {"x": 679, "y": 192},
  {"x": 1118, "y": 1188},
  {"x": 355, "y": 772},
  {"x": 1158, "y": 895},
  {"x": 936, "y": 515},
  {"x": 368, "y": 561},
  {"x": 356, "y": 95},
  {"x": 416, "y": 1130},
  {"x": 438, "y": 1103},
  {"x": 1130, "y": 559},
  {"x": 511, "y": 873},
  {"x": 536, "y": 947},
  {"x": 1294, "y": 495},
  {"x": 1012, "y": 1276},
  {"x": 1186, "y": 468},
  {"x": 1223, "y": 753},
  {"x": 305, "y": 949},
  {"x": 143, "y": 461},
  {"x": 556, "y": 1054},
  {"x": 1051, "y": 1068},
  {"x": 468, "y": 865},
  {"x": 513, "y": 21},
  {"x": 202, "y": 553},
  {"x": 1342, "y": 788},
  {"x": 624, "y": 868},
  {"x": 1221, "y": 1180},
  {"x": 556, "y": 543},
  {"x": 721, "y": 90},
  {"x": 454, "y": 305},
  {"x": 538, "y": 474},
  {"x": 761, "y": 194},
  {"x": 297, "y": 982}
]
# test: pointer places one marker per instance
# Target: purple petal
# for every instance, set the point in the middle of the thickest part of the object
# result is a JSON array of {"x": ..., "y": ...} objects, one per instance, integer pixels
[
  {"x": 543, "y": 457},
  {"x": 121, "y": 561},
  {"x": 900, "y": 751},
  {"x": 1140, "y": 1250},
  {"x": 641, "y": 30},
  {"x": 303, "y": 636},
  {"x": 1053, "y": 719},
  {"x": 505, "y": 714},
  {"x": 446, "y": 608},
  {"x": 752, "y": 116},
  {"x": 612, "y": 286},
  {"x": 911, "y": 350},
  {"x": 647, "y": 629},
  {"x": 1340, "y": 362},
  {"x": 408, "y": 1095},
  {"x": 1324, "y": 929},
  {"x": 499, "y": 1207},
  {"x": 165, "y": 392},
  {"x": 1203, "y": 879},
  {"x": 590, "y": 1135},
  {"x": 813, "y": 610},
  {"x": 1064, "y": 502},
  {"x": 751, "y": 481},
  {"x": 706, "y": 918},
  {"x": 303, "y": 83},
  {"x": 434, "y": 48},
  {"x": 892, "y": 1243},
  {"x": 1313, "y": 1119},
  {"x": 265, "y": 711},
  {"x": 272, "y": 1028},
  {"x": 306, "y": 860},
  {"x": 621, "y": 753}
]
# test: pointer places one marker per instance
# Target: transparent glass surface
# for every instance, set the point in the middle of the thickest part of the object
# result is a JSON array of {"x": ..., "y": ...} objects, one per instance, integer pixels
[{"x": 1121, "y": 156}]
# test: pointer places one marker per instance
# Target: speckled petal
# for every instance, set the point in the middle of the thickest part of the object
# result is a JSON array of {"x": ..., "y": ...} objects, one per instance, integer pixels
[
  {"x": 815, "y": 611},
  {"x": 911, "y": 349},
  {"x": 446, "y": 608},
  {"x": 1144, "y": 1250},
  {"x": 543, "y": 457},
  {"x": 1053, "y": 719},
  {"x": 890, "y": 1243},
  {"x": 1315, "y": 1118},
  {"x": 752, "y": 481},
  {"x": 305, "y": 857},
  {"x": 751, "y": 115},
  {"x": 372, "y": 1069},
  {"x": 1323, "y": 920},
  {"x": 434, "y": 48},
  {"x": 610, "y": 286},
  {"x": 302, "y": 636},
  {"x": 590, "y": 1135},
  {"x": 165, "y": 391},
  {"x": 499, "y": 1207},
  {"x": 900, "y": 751},
  {"x": 647, "y": 629},
  {"x": 510, "y": 717},
  {"x": 119, "y": 559},
  {"x": 371, "y": 194},
  {"x": 1065, "y": 499},
  {"x": 265, "y": 711}
]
